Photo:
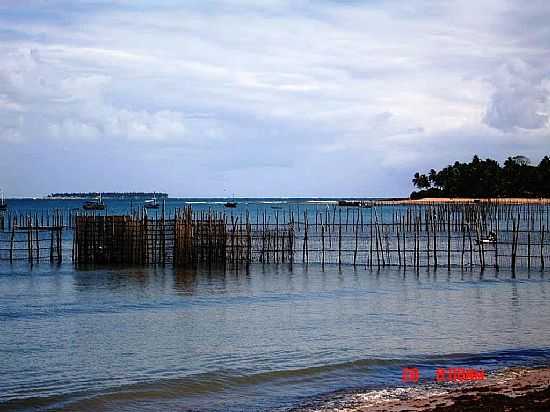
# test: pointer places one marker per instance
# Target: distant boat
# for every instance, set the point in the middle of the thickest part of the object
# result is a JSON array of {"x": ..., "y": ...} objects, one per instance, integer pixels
[
  {"x": 485, "y": 241},
  {"x": 354, "y": 203},
  {"x": 96, "y": 204},
  {"x": 349, "y": 203},
  {"x": 151, "y": 203},
  {"x": 230, "y": 204},
  {"x": 3, "y": 204},
  {"x": 491, "y": 239}
]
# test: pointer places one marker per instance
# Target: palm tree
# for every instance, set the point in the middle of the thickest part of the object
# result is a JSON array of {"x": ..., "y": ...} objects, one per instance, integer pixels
[{"x": 421, "y": 181}]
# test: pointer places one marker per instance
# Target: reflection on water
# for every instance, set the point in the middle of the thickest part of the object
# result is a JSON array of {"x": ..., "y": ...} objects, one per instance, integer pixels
[
  {"x": 267, "y": 336},
  {"x": 184, "y": 281}
]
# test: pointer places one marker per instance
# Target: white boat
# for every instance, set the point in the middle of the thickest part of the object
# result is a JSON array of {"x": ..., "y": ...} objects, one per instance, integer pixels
[
  {"x": 355, "y": 203},
  {"x": 96, "y": 204},
  {"x": 489, "y": 240},
  {"x": 151, "y": 203},
  {"x": 486, "y": 241}
]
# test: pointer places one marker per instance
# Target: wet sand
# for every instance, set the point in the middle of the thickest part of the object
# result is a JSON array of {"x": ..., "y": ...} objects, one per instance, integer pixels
[{"x": 513, "y": 389}]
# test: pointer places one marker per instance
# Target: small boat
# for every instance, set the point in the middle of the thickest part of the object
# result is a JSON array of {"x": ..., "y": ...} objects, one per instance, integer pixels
[
  {"x": 151, "y": 203},
  {"x": 349, "y": 203},
  {"x": 3, "y": 204},
  {"x": 491, "y": 239},
  {"x": 230, "y": 204},
  {"x": 354, "y": 203},
  {"x": 485, "y": 241},
  {"x": 96, "y": 204}
]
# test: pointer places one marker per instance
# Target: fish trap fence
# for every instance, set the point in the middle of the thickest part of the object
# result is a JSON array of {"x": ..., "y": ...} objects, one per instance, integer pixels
[
  {"x": 29, "y": 240},
  {"x": 467, "y": 236}
]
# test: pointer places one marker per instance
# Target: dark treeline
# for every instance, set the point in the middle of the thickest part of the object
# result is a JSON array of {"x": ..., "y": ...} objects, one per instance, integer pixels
[
  {"x": 114, "y": 195},
  {"x": 486, "y": 178}
]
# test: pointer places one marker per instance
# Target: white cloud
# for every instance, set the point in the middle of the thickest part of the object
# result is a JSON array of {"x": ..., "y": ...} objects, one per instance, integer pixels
[
  {"x": 144, "y": 125},
  {"x": 71, "y": 129},
  {"x": 278, "y": 80},
  {"x": 521, "y": 98},
  {"x": 73, "y": 105}
]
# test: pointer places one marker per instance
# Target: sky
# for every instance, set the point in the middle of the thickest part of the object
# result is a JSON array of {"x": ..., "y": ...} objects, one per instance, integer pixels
[{"x": 273, "y": 98}]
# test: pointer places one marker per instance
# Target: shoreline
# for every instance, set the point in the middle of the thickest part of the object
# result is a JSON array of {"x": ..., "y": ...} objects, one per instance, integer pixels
[
  {"x": 516, "y": 388},
  {"x": 466, "y": 200},
  {"x": 382, "y": 201}
]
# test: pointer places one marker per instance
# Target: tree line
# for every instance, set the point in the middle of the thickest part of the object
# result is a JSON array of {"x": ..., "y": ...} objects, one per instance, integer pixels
[{"x": 486, "y": 178}]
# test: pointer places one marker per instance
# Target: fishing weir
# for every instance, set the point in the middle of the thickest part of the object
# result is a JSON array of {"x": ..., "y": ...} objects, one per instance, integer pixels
[{"x": 467, "y": 236}]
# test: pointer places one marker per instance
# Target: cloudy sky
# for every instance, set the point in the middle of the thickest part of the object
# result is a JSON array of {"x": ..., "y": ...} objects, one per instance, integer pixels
[{"x": 266, "y": 98}]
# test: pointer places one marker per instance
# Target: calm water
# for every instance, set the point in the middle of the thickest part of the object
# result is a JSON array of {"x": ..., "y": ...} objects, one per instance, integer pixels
[
  {"x": 266, "y": 338},
  {"x": 117, "y": 206},
  {"x": 162, "y": 339},
  {"x": 254, "y": 206}
]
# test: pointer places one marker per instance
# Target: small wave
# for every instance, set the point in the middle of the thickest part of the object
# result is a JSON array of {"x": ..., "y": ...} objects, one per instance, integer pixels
[
  {"x": 214, "y": 382},
  {"x": 235, "y": 385}
]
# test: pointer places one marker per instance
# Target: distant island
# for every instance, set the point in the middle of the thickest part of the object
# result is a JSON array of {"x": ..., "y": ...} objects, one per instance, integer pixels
[
  {"x": 486, "y": 179},
  {"x": 109, "y": 195}
]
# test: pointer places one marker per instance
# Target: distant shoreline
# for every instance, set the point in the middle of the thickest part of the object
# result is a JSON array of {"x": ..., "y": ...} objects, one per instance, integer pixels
[
  {"x": 467, "y": 200},
  {"x": 107, "y": 195},
  {"x": 380, "y": 201}
]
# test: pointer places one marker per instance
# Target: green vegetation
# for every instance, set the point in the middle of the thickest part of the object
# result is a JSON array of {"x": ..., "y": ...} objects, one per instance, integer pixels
[{"x": 486, "y": 178}]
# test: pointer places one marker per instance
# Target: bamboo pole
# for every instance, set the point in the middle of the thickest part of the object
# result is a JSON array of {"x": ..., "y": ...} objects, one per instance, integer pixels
[
  {"x": 370, "y": 240},
  {"x": 448, "y": 239},
  {"x": 542, "y": 248},
  {"x": 12, "y": 241},
  {"x": 340, "y": 237},
  {"x": 322, "y": 245},
  {"x": 356, "y": 240}
]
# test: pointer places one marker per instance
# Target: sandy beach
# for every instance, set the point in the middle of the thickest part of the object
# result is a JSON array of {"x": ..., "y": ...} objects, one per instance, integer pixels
[
  {"x": 512, "y": 389},
  {"x": 461, "y": 200}
]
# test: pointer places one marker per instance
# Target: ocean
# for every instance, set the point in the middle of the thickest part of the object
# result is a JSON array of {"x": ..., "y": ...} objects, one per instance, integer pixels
[{"x": 262, "y": 337}]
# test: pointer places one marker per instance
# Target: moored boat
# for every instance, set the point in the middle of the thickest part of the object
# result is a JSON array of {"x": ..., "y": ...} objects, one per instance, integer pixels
[
  {"x": 96, "y": 204},
  {"x": 354, "y": 203},
  {"x": 151, "y": 203},
  {"x": 490, "y": 239},
  {"x": 350, "y": 203}
]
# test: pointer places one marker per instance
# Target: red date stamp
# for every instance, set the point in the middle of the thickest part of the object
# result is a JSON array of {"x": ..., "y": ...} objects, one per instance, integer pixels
[{"x": 412, "y": 375}]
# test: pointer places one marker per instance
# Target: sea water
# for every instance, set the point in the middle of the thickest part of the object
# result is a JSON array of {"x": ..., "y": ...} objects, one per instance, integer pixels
[{"x": 263, "y": 337}]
